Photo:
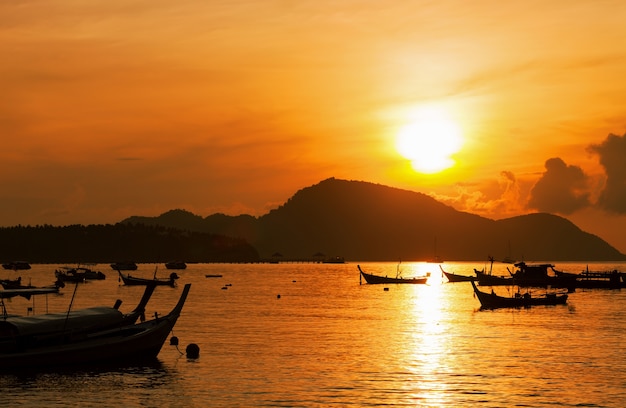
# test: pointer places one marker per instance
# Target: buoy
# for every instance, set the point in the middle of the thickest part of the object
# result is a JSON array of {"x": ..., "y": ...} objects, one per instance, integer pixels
[
  {"x": 174, "y": 341},
  {"x": 193, "y": 351},
  {"x": 278, "y": 296},
  {"x": 386, "y": 289}
]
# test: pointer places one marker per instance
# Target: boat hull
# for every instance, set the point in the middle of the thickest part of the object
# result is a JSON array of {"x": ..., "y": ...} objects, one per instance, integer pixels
[
  {"x": 453, "y": 277},
  {"x": 132, "y": 343}
]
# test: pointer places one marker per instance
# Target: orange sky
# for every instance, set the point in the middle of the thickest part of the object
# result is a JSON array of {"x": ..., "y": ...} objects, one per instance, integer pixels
[{"x": 117, "y": 108}]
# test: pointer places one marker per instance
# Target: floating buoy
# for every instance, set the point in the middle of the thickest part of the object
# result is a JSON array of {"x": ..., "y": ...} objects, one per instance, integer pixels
[
  {"x": 174, "y": 341},
  {"x": 278, "y": 296},
  {"x": 193, "y": 351},
  {"x": 386, "y": 289}
]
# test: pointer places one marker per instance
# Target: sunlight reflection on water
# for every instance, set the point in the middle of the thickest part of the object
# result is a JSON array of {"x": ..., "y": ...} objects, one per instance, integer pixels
[{"x": 329, "y": 341}]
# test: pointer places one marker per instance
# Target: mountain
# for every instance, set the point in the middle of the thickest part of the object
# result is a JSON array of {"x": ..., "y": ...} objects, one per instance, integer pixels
[{"x": 364, "y": 221}]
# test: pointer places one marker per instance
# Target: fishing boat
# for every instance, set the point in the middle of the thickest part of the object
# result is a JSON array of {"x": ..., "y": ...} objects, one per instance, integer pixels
[
  {"x": 494, "y": 301},
  {"x": 77, "y": 274},
  {"x": 538, "y": 275},
  {"x": 453, "y": 277},
  {"x": 135, "y": 281},
  {"x": 176, "y": 265},
  {"x": 124, "y": 266},
  {"x": 375, "y": 279},
  {"x": 85, "y": 337}
]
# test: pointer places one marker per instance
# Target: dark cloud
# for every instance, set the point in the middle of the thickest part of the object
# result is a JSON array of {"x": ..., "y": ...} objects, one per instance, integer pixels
[
  {"x": 561, "y": 189},
  {"x": 612, "y": 154}
]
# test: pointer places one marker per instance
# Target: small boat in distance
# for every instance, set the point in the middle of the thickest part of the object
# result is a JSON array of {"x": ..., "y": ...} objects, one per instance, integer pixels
[
  {"x": 375, "y": 279},
  {"x": 16, "y": 265},
  {"x": 124, "y": 266},
  {"x": 494, "y": 301},
  {"x": 135, "y": 281},
  {"x": 17, "y": 284},
  {"x": 334, "y": 260},
  {"x": 176, "y": 265},
  {"x": 452, "y": 277},
  {"x": 436, "y": 258},
  {"x": 77, "y": 274}
]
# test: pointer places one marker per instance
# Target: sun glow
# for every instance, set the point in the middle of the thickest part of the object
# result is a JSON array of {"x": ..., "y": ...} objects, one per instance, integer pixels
[{"x": 430, "y": 140}]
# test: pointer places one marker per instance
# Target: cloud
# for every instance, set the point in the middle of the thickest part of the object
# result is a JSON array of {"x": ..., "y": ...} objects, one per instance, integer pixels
[
  {"x": 561, "y": 189},
  {"x": 612, "y": 152},
  {"x": 494, "y": 199}
]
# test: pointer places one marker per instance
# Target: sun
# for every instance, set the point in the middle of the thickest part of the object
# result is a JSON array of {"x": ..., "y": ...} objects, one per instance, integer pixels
[{"x": 430, "y": 140}]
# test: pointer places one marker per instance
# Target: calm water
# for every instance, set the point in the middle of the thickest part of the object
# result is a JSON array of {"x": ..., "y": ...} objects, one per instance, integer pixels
[{"x": 329, "y": 341}]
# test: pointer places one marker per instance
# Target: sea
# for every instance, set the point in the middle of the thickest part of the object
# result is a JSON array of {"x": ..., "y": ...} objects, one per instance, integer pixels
[{"x": 315, "y": 335}]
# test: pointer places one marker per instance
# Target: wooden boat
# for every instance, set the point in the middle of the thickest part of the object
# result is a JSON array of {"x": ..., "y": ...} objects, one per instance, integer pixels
[
  {"x": 176, "y": 265},
  {"x": 494, "y": 301},
  {"x": 375, "y": 279},
  {"x": 83, "y": 340},
  {"x": 124, "y": 266},
  {"x": 77, "y": 274},
  {"x": 452, "y": 277},
  {"x": 132, "y": 280},
  {"x": 16, "y": 265}
]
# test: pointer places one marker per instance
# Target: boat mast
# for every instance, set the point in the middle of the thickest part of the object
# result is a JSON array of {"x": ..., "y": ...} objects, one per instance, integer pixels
[{"x": 69, "y": 309}]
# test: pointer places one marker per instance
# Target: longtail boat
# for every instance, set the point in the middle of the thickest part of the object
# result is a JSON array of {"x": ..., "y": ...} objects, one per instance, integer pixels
[
  {"x": 47, "y": 341},
  {"x": 136, "y": 281},
  {"x": 494, "y": 301},
  {"x": 375, "y": 279}
]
